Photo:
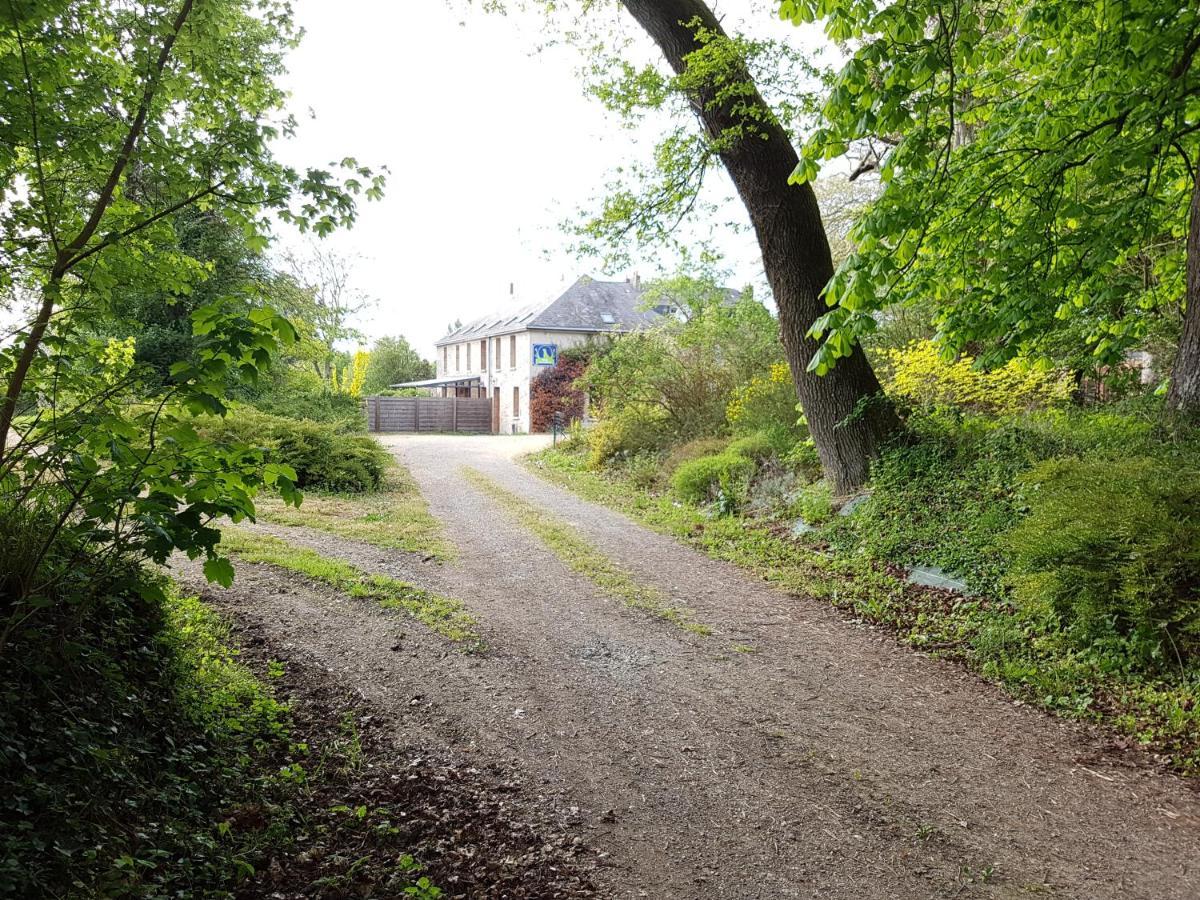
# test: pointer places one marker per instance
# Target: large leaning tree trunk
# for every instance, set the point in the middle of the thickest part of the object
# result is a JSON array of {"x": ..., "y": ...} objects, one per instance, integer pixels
[
  {"x": 847, "y": 413},
  {"x": 1183, "y": 398}
]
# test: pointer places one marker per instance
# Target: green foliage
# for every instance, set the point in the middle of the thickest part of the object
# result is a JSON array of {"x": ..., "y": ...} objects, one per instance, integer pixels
[
  {"x": 673, "y": 382},
  {"x": 1111, "y": 548},
  {"x": 107, "y": 455},
  {"x": 760, "y": 446},
  {"x": 923, "y": 376},
  {"x": 644, "y": 470},
  {"x": 123, "y": 746},
  {"x": 802, "y": 457},
  {"x": 681, "y": 453},
  {"x": 321, "y": 456},
  {"x": 1037, "y": 163},
  {"x": 297, "y": 392},
  {"x": 727, "y": 475},
  {"x": 109, "y": 474},
  {"x": 159, "y": 316},
  {"x": 765, "y": 402},
  {"x": 945, "y": 499},
  {"x": 650, "y": 201},
  {"x": 814, "y": 503},
  {"x": 623, "y": 433},
  {"x": 393, "y": 361}
]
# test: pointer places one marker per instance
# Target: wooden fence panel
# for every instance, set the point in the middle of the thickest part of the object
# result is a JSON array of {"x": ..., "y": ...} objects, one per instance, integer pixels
[{"x": 428, "y": 415}]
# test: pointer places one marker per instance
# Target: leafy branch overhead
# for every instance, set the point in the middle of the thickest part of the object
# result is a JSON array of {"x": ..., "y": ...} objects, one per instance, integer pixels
[
  {"x": 1038, "y": 161},
  {"x": 649, "y": 203}
]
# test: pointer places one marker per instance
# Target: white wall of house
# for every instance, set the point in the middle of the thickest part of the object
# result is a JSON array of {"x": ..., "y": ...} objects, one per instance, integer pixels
[{"x": 510, "y": 370}]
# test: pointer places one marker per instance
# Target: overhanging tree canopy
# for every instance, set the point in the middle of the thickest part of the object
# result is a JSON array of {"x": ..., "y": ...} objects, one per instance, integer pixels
[{"x": 1039, "y": 160}]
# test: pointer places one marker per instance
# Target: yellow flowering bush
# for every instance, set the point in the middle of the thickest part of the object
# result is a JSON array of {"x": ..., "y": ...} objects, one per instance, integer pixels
[
  {"x": 764, "y": 402},
  {"x": 350, "y": 379},
  {"x": 922, "y": 375}
]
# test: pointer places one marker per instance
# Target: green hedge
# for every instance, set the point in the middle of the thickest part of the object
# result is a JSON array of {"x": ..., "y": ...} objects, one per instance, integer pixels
[
  {"x": 324, "y": 457},
  {"x": 726, "y": 474}
]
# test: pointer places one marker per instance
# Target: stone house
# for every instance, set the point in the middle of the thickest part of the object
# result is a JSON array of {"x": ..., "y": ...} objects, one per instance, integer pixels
[{"x": 499, "y": 355}]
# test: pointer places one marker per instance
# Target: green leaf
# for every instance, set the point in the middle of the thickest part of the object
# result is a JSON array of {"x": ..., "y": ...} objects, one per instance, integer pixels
[{"x": 219, "y": 569}]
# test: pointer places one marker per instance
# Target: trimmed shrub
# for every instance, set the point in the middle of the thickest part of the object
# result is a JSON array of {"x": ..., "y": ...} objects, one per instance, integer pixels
[
  {"x": 324, "y": 457},
  {"x": 1112, "y": 549},
  {"x": 724, "y": 474},
  {"x": 623, "y": 434},
  {"x": 682, "y": 453}
]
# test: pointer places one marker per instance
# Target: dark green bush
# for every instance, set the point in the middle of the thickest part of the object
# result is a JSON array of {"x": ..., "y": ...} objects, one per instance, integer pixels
[
  {"x": 947, "y": 495},
  {"x": 127, "y": 733},
  {"x": 943, "y": 500},
  {"x": 725, "y": 475},
  {"x": 324, "y": 457},
  {"x": 1112, "y": 549}
]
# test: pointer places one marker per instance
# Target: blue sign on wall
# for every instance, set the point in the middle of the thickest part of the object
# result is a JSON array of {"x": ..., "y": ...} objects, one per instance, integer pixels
[{"x": 545, "y": 354}]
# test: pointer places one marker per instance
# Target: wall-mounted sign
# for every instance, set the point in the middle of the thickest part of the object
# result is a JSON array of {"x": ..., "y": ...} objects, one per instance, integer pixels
[{"x": 545, "y": 354}]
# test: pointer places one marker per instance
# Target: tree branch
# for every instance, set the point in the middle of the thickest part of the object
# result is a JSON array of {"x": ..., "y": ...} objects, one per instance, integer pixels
[
  {"x": 64, "y": 257},
  {"x": 35, "y": 128}
]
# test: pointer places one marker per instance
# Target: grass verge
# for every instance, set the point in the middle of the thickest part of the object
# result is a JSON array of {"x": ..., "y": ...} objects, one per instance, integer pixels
[
  {"x": 583, "y": 558},
  {"x": 395, "y": 517},
  {"x": 1159, "y": 713},
  {"x": 442, "y": 615}
]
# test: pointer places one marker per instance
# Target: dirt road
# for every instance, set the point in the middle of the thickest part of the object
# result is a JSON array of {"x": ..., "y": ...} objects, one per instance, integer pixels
[{"x": 826, "y": 763}]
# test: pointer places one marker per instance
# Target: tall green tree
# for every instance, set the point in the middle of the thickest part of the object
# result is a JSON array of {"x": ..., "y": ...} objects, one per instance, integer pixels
[
  {"x": 121, "y": 114},
  {"x": 1040, "y": 165},
  {"x": 847, "y": 413},
  {"x": 677, "y": 377},
  {"x": 160, "y": 319},
  {"x": 120, "y": 121},
  {"x": 392, "y": 361}
]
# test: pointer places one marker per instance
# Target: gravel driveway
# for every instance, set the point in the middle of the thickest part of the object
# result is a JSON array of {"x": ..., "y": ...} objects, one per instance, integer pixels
[{"x": 826, "y": 763}]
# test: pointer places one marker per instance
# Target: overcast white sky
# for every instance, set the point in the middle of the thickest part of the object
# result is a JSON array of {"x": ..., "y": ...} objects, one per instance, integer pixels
[{"x": 489, "y": 145}]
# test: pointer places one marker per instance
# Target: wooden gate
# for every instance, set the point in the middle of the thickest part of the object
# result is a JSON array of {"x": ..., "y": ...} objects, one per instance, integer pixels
[{"x": 470, "y": 415}]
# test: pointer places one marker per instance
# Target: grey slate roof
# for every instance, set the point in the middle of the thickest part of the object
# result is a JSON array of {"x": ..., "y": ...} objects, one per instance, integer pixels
[{"x": 586, "y": 305}]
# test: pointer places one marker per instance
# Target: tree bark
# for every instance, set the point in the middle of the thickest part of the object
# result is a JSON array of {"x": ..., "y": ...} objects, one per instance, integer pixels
[
  {"x": 848, "y": 415},
  {"x": 1183, "y": 397}
]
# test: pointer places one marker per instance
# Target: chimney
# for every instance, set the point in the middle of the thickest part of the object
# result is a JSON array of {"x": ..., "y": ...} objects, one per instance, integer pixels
[
  {"x": 511, "y": 288},
  {"x": 637, "y": 280}
]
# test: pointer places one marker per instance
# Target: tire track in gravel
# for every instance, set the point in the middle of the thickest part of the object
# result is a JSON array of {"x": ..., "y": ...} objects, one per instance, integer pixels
[{"x": 830, "y": 763}]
